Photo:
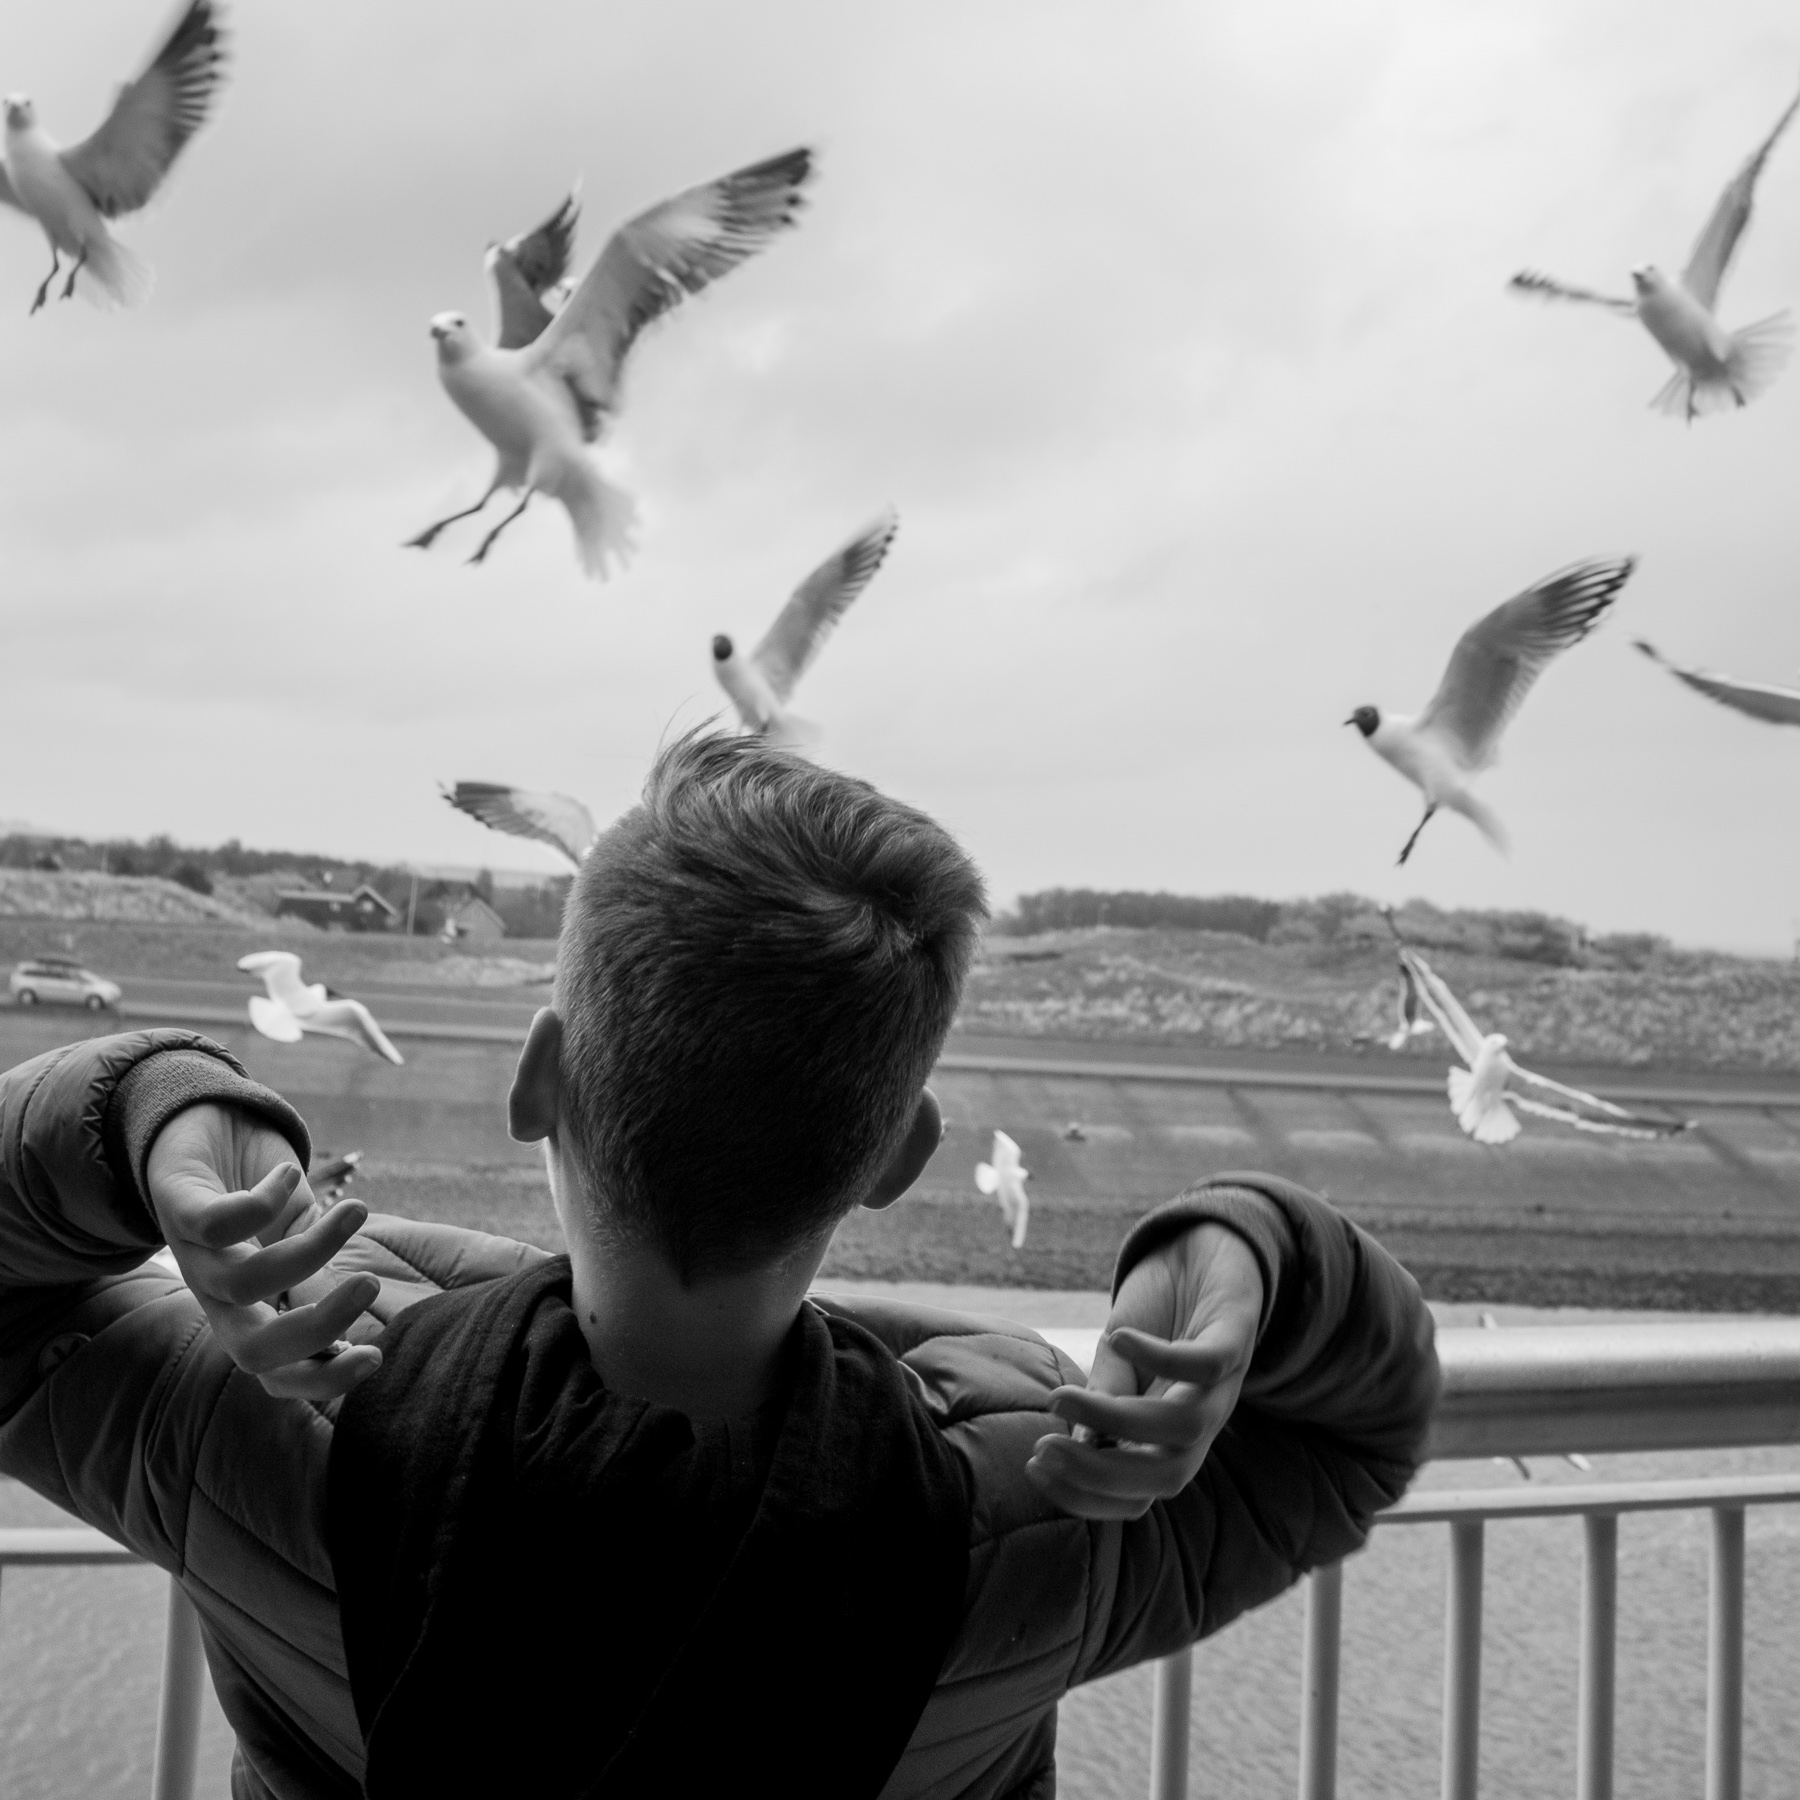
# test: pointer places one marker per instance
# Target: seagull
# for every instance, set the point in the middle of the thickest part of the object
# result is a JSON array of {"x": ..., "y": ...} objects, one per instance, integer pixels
[
  {"x": 554, "y": 819},
  {"x": 1005, "y": 1178},
  {"x": 292, "y": 1008},
  {"x": 540, "y": 398},
  {"x": 1714, "y": 368},
  {"x": 1491, "y": 671},
  {"x": 331, "y": 1175},
  {"x": 1073, "y": 1133},
  {"x": 1777, "y": 705},
  {"x": 73, "y": 192},
  {"x": 761, "y": 683},
  {"x": 1488, "y": 1094},
  {"x": 1413, "y": 1023}
]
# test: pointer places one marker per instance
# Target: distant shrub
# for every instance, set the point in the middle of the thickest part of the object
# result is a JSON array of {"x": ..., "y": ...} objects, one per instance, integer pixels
[
  {"x": 193, "y": 877},
  {"x": 1629, "y": 950},
  {"x": 1076, "y": 909}
]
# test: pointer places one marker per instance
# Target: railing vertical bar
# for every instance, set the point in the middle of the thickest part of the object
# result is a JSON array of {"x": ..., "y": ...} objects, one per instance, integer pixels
[
  {"x": 1725, "y": 1658},
  {"x": 1319, "y": 1683},
  {"x": 1599, "y": 1640},
  {"x": 1169, "y": 1727},
  {"x": 178, "y": 1712},
  {"x": 1462, "y": 1662}
]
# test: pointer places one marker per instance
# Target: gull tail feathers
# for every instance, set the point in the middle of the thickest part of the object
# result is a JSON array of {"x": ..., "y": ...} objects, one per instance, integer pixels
[
  {"x": 1496, "y": 1125},
  {"x": 114, "y": 275},
  {"x": 1483, "y": 818},
  {"x": 604, "y": 518},
  {"x": 1759, "y": 353},
  {"x": 987, "y": 1179},
  {"x": 792, "y": 732}
]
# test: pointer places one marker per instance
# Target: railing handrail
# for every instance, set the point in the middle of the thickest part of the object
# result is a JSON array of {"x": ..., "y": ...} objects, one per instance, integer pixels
[
  {"x": 1444, "y": 1505},
  {"x": 49, "y": 1546}
]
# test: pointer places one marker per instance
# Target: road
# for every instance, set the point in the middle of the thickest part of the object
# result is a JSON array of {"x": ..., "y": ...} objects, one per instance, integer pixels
[{"x": 1559, "y": 1217}]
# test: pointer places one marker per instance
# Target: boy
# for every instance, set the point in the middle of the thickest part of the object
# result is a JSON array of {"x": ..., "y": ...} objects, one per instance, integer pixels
[{"x": 462, "y": 1518}]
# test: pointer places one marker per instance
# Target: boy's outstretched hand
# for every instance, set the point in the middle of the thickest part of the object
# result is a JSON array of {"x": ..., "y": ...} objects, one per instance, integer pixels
[
  {"x": 1175, "y": 1351},
  {"x": 247, "y": 1234}
]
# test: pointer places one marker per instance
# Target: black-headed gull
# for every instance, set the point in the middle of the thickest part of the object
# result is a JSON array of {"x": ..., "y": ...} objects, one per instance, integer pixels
[
  {"x": 1491, "y": 671},
  {"x": 761, "y": 683},
  {"x": 540, "y": 403},
  {"x": 1714, "y": 368},
  {"x": 1004, "y": 1177},
  {"x": 73, "y": 192},
  {"x": 1491, "y": 1090},
  {"x": 1775, "y": 705},
  {"x": 292, "y": 1008},
  {"x": 555, "y": 819}
]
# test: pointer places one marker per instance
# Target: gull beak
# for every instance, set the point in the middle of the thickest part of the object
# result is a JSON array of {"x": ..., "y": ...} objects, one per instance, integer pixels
[{"x": 1351, "y": 720}]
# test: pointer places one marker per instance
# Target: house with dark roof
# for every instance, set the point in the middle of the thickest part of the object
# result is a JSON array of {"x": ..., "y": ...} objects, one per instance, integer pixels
[{"x": 361, "y": 910}]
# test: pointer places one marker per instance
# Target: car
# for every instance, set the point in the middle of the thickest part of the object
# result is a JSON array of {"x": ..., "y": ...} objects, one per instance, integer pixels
[{"x": 61, "y": 979}]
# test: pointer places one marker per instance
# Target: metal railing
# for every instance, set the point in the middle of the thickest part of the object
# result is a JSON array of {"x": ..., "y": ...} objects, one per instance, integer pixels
[
  {"x": 184, "y": 1662},
  {"x": 1523, "y": 1391},
  {"x": 1531, "y": 1391}
]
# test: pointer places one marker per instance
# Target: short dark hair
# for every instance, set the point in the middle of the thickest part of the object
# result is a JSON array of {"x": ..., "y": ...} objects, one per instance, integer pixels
[{"x": 758, "y": 967}]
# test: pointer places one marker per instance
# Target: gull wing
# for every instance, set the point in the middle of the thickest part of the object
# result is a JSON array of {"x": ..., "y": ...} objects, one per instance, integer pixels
[
  {"x": 818, "y": 603},
  {"x": 527, "y": 267},
  {"x": 351, "y": 1019},
  {"x": 1444, "y": 1007},
  {"x": 274, "y": 1020},
  {"x": 1588, "y": 1112},
  {"x": 1499, "y": 657},
  {"x": 1544, "y": 287},
  {"x": 124, "y": 162},
  {"x": 555, "y": 819},
  {"x": 655, "y": 261},
  {"x": 1776, "y": 705},
  {"x": 1718, "y": 239},
  {"x": 7, "y": 196}
]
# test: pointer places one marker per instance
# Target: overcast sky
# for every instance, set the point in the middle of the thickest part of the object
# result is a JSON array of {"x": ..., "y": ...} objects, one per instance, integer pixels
[{"x": 1176, "y": 333}]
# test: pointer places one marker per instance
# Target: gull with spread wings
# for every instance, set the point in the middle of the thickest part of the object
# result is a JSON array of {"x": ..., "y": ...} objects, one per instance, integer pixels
[
  {"x": 1004, "y": 1178},
  {"x": 291, "y": 1007},
  {"x": 1714, "y": 368},
  {"x": 1491, "y": 671},
  {"x": 551, "y": 385},
  {"x": 73, "y": 192},
  {"x": 1775, "y": 705},
  {"x": 558, "y": 820},
  {"x": 761, "y": 683},
  {"x": 1491, "y": 1090}
]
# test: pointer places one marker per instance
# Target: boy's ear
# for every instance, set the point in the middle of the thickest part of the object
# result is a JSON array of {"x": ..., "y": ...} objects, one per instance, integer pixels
[
  {"x": 533, "y": 1106},
  {"x": 916, "y": 1149}
]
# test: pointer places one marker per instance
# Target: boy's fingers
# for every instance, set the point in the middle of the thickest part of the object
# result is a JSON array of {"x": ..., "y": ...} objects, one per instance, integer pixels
[
  {"x": 1125, "y": 1473},
  {"x": 306, "y": 1330},
  {"x": 1078, "y": 1503},
  {"x": 1204, "y": 1360},
  {"x": 324, "y": 1380},
  {"x": 202, "y": 1215},
  {"x": 262, "y": 1274},
  {"x": 1177, "y": 1419}
]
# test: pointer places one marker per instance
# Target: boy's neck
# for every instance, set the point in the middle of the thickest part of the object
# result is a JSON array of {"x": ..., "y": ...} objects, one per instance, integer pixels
[{"x": 711, "y": 1350}]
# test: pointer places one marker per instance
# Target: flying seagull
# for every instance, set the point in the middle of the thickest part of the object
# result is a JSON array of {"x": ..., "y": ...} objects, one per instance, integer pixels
[
  {"x": 1777, "y": 705},
  {"x": 1413, "y": 1022},
  {"x": 554, "y": 819},
  {"x": 292, "y": 1008},
  {"x": 761, "y": 683},
  {"x": 331, "y": 1175},
  {"x": 1491, "y": 671},
  {"x": 540, "y": 398},
  {"x": 1005, "y": 1177},
  {"x": 1491, "y": 1090},
  {"x": 1714, "y": 368},
  {"x": 73, "y": 192}
]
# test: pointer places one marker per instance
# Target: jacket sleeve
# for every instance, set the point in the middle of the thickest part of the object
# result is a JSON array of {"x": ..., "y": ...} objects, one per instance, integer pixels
[{"x": 1328, "y": 1430}]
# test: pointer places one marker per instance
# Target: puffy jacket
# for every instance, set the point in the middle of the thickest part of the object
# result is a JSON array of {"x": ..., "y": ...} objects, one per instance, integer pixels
[{"x": 117, "y": 1404}]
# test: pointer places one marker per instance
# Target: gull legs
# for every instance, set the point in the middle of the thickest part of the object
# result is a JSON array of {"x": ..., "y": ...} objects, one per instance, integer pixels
[
  {"x": 426, "y": 537},
  {"x": 1407, "y": 851},
  {"x": 68, "y": 292},
  {"x": 487, "y": 543},
  {"x": 43, "y": 292}
]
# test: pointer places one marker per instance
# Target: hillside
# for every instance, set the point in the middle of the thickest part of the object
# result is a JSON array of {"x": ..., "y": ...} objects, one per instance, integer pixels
[
  {"x": 1690, "y": 1009},
  {"x": 89, "y": 896}
]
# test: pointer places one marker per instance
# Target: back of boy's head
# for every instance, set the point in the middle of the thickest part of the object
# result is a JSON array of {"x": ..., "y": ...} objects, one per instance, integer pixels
[{"x": 758, "y": 967}]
